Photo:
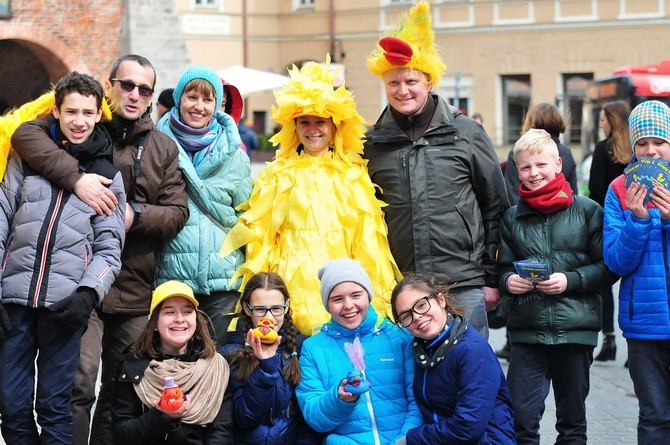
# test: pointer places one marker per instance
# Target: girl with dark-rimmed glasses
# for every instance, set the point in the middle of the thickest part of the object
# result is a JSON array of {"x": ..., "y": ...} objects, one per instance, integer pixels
[{"x": 459, "y": 385}]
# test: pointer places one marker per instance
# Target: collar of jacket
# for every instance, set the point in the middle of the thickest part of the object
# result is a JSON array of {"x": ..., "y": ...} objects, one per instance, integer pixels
[
  {"x": 387, "y": 129},
  {"x": 126, "y": 132},
  {"x": 427, "y": 357}
]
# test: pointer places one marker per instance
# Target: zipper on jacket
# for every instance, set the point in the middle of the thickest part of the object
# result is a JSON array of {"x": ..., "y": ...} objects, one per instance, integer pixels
[
  {"x": 665, "y": 265},
  {"x": 547, "y": 259},
  {"x": 47, "y": 239},
  {"x": 371, "y": 411},
  {"x": 631, "y": 312}
]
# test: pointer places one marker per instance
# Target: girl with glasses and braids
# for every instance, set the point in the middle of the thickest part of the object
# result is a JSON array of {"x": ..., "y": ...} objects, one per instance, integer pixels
[
  {"x": 459, "y": 385},
  {"x": 264, "y": 376}
]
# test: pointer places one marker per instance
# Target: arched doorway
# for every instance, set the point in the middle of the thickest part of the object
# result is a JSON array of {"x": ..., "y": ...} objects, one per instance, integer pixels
[{"x": 27, "y": 71}]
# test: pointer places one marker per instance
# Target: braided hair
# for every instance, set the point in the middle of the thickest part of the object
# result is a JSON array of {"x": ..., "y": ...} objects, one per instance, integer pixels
[{"x": 244, "y": 359}]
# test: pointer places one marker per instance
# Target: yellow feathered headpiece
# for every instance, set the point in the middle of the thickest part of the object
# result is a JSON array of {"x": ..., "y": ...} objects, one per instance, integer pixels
[
  {"x": 409, "y": 44},
  {"x": 39, "y": 107},
  {"x": 310, "y": 92}
]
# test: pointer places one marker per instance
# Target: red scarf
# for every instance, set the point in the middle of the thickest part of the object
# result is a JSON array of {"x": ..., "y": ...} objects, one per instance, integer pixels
[{"x": 555, "y": 196}]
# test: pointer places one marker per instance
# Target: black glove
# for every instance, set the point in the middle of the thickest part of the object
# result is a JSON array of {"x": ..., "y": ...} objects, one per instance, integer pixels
[
  {"x": 5, "y": 325},
  {"x": 73, "y": 312}
]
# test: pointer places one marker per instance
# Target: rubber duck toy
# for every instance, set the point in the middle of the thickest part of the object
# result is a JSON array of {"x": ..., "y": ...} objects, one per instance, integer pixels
[
  {"x": 356, "y": 383},
  {"x": 265, "y": 331},
  {"x": 172, "y": 398}
]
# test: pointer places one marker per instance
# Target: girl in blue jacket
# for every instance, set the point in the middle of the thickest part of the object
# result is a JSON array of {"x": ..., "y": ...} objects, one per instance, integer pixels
[
  {"x": 386, "y": 411},
  {"x": 264, "y": 376},
  {"x": 458, "y": 382}
]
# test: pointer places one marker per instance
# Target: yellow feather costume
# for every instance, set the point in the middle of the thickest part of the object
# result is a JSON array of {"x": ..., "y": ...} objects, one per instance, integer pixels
[
  {"x": 306, "y": 210},
  {"x": 39, "y": 107}
]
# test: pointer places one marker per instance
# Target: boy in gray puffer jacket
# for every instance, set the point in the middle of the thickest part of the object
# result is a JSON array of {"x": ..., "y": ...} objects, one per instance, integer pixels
[{"x": 59, "y": 259}]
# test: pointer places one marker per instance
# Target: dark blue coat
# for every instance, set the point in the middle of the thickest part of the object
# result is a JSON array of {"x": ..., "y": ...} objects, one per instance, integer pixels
[
  {"x": 265, "y": 408},
  {"x": 464, "y": 399}
]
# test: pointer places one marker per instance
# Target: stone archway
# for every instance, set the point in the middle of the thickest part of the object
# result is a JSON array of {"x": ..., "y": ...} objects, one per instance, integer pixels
[{"x": 38, "y": 59}]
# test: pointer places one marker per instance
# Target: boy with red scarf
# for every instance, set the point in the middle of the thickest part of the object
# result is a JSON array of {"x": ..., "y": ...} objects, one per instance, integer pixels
[{"x": 553, "y": 324}]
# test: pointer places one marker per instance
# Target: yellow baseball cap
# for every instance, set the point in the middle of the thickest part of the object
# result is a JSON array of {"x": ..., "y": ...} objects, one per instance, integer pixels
[{"x": 171, "y": 289}]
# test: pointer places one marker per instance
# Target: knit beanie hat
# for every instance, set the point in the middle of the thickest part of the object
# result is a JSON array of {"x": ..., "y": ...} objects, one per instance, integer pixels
[
  {"x": 409, "y": 44},
  {"x": 650, "y": 119},
  {"x": 339, "y": 271},
  {"x": 200, "y": 72},
  {"x": 166, "y": 99}
]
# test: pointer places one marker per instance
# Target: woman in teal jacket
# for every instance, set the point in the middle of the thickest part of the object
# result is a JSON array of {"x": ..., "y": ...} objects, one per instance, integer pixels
[
  {"x": 387, "y": 410},
  {"x": 217, "y": 174}
]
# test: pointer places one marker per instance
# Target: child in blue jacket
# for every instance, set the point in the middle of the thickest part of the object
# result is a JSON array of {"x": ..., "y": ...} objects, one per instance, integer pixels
[
  {"x": 636, "y": 242},
  {"x": 459, "y": 385},
  {"x": 264, "y": 376},
  {"x": 387, "y": 410}
]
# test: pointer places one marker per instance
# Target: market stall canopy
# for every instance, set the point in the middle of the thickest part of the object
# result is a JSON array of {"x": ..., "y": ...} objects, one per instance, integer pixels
[{"x": 251, "y": 81}]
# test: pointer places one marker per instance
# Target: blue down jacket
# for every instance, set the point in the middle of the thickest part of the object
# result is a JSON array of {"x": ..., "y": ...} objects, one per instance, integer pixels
[
  {"x": 464, "y": 398},
  {"x": 638, "y": 250},
  {"x": 387, "y": 411},
  {"x": 265, "y": 409}
]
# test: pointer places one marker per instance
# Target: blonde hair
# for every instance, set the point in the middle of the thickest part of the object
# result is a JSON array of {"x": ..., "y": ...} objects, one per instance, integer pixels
[{"x": 536, "y": 141}]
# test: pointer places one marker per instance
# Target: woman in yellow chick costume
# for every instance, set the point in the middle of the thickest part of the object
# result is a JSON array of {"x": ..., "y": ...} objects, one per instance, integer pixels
[{"x": 315, "y": 201}]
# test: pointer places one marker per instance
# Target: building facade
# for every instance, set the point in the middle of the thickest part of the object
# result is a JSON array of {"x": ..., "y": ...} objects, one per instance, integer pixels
[{"x": 501, "y": 55}]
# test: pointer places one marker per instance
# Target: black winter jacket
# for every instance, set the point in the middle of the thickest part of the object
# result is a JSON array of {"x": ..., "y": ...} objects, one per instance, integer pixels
[
  {"x": 569, "y": 241},
  {"x": 445, "y": 194},
  {"x": 133, "y": 423}
]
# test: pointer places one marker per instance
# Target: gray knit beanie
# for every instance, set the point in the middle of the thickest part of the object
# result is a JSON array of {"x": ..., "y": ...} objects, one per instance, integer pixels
[
  {"x": 649, "y": 119},
  {"x": 339, "y": 271}
]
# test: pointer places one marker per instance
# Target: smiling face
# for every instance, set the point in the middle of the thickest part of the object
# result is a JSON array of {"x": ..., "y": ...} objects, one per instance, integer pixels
[
  {"x": 176, "y": 324},
  {"x": 266, "y": 298},
  {"x": 348, "y": 304},
  {"x": 315, "y": 133},
  {"x": 196, "y": 107},
  {"x": 77, "y": 116},
  {"x": 429, "y": 324},
  {"x": 537, "y": 169},
  {"x": 130, "y": 105},
  {"x": 407, "y": 90}
]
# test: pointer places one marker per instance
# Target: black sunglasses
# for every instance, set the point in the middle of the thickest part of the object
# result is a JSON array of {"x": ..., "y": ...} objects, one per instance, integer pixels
[{"x": 128, "y": 87}]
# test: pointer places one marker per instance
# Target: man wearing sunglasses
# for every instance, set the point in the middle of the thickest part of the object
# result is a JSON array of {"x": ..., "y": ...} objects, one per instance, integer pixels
[{"x": 156, "y": 209}]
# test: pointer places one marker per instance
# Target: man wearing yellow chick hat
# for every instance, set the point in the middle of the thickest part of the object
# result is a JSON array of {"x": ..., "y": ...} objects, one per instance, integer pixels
[{"x": 437, "y": 171}]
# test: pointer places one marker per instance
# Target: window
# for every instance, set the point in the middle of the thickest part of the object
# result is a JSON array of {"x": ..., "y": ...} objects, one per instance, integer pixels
[
  {"x": 303, "y": 4},
  {"x": 515, "y": 103},
  {"x": 206, "y": 3}
]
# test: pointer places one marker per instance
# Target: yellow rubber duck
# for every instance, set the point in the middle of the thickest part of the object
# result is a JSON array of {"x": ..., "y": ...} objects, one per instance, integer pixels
[{"x": 265, "y": 331}]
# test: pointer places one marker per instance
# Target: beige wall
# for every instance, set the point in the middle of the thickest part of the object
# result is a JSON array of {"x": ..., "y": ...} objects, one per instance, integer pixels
[{"x": 481, "y": 39}]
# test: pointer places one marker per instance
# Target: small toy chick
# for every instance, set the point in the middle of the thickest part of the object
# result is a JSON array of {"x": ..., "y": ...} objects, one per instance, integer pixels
[
  {"x": 356, "y": 383},
  {"x": 265, "y": 331}
]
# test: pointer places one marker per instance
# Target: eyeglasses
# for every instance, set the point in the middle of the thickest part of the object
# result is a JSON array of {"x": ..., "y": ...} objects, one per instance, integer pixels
[
  {"x": 422, "y": 306},
  {"x": 129, "y": 86},
  {"x": 260, "y": 311}
]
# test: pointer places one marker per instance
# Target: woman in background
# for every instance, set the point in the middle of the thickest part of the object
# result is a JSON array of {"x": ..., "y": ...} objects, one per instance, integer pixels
[{"x": 610, "y": 157}]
